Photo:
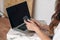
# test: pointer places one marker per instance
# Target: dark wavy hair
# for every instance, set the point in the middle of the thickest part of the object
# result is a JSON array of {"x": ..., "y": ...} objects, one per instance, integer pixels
[
  {"x": 55, "y": 16},
  {"x": 57, "y": 10}
]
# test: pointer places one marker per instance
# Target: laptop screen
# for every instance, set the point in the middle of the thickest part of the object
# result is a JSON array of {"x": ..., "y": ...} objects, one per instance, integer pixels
[{"x": 17, "y": 12}]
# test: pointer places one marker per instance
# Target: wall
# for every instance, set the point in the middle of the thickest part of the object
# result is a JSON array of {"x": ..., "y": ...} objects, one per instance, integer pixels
[
  {"x": 44, "y": 10},
  {"x": 1, "y": 5}
]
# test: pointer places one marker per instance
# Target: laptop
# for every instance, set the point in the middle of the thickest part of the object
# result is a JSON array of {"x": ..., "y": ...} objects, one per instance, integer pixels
[{"x": 16, "y": 14}]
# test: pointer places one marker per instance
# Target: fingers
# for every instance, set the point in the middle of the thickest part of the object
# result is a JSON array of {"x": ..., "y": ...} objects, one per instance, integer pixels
[
  {"x": 30, "y": 21},
  {"x": 26, "y": 22},
  {"x": 33, "y": 19}
]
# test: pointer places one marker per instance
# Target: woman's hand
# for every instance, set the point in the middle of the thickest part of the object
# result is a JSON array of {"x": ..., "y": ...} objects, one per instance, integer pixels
[
  {"x": 31, "y": 25},
  {"x": 36, "y": 24},
  {"x": 41, "y": 25}
]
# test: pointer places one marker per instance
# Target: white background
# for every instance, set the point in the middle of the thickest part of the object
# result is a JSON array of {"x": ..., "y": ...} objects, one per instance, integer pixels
[
  {"x": 44, "y": 10},
  {"x": 1, "y": 5}
]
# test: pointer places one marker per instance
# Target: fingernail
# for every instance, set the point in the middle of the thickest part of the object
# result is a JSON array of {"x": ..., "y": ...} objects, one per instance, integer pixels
[{"x": 28, "y": 19}]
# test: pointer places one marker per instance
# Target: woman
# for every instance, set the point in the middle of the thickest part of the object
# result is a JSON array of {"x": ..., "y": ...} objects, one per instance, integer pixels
[{"x": 34, "y": 25}]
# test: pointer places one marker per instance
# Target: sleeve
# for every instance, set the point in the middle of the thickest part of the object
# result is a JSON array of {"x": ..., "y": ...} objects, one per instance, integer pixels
[{"x": 57, "y": 33}]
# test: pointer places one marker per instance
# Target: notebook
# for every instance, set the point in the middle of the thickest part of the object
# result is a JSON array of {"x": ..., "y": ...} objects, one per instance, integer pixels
[{"x": 16, "y": 14}]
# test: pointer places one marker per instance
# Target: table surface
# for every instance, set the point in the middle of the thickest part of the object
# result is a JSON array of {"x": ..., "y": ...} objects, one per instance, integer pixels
[{"x": 4, "y": 28}]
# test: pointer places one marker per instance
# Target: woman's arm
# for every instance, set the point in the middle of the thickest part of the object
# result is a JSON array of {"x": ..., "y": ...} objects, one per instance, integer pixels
[
  {"x": 33, "y": 27},
  {"x": 42, "y": 35}
]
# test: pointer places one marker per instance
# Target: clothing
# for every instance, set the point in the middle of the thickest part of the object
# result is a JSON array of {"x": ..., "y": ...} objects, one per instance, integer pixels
[{"x": 57, "y": 33}]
